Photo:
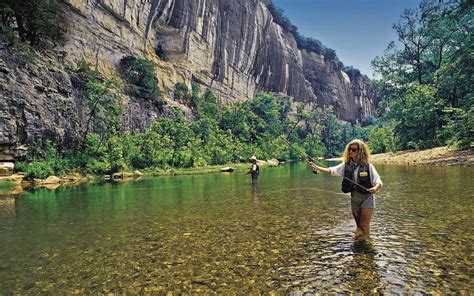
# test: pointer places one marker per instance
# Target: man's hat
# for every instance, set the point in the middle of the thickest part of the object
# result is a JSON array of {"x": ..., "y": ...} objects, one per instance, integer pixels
[{"x": 253, "y": 157}]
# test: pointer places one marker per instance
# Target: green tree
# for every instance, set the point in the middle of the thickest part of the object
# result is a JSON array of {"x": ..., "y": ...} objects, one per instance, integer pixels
[
  {"x": 115, "y": 153},
  {"x": 142, "y": 82},
  {"x": 437, "y": 52},
  {"x": 182, "y": 94},
  {"x": 207, "y": 105},
  {"x": 238, "y": 120},
  {"x": 102, "y": 99},
  {"x": 381, "y": 138},
  {"x": 417, "y": 117},
  {"x": 39, "y": 22},
  {"x": 172, "y": 136},
  {"x": 267, "y": 110}
]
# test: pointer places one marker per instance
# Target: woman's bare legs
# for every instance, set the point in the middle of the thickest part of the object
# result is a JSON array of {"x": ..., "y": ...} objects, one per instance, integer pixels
[
  {"x": 358, "y": 232},
  {"x": 362, "y": 219},
  {"x": 365, "y": 217}
]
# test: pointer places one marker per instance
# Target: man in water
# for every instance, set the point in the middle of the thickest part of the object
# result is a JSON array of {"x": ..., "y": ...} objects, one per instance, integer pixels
[{"x": 254, "y": 170}]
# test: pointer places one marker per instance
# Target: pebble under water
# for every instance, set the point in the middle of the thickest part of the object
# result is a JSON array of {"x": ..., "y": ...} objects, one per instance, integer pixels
[{"x": 216, "y": 233}]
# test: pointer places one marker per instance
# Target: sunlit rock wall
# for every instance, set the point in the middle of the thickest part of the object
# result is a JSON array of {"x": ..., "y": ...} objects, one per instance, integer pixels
[{"x": 234, "y": 47}]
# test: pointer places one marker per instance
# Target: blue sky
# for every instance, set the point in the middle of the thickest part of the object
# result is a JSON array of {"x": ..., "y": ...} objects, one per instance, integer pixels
[{"x": 358, "y": 30}]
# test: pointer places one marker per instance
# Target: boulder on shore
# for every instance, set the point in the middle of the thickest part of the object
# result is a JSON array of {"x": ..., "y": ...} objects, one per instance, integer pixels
[
  {"x": 49, "y": 180},
  {"x": 6, "y": 168},
  {"x": 273, "y": 162}
]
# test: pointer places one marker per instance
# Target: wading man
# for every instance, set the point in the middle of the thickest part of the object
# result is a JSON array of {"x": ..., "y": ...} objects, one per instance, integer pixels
[{"x": 254, "y": 170}]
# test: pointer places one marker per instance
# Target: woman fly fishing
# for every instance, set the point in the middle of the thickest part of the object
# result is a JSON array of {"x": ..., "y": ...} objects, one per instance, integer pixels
[{"x": 361, "y": 180}]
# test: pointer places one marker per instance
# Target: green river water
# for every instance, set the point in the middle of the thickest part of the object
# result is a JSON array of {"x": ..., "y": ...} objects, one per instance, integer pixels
[{"x": 216, "y": 234}]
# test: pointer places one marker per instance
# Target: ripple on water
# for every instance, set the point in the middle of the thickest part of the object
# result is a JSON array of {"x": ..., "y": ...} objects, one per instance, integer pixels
[{"x": 216, "y": 235}]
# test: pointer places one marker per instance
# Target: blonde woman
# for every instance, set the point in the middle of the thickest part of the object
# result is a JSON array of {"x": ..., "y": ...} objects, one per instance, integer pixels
[{"x": 361, "y": 179}]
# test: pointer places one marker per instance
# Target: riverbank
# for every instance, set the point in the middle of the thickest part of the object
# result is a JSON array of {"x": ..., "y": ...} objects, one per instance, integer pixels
[
  {"x": 440, "y": 156},
  {"x": 14, "y": 185}
]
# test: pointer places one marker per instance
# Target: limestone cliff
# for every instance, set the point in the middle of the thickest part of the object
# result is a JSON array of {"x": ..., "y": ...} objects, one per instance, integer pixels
[{"x": 234, "y": 47}]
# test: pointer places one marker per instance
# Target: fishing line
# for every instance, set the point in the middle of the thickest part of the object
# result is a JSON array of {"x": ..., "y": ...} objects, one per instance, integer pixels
[
  {"x": 299, "y": 189},
  {"x": 303, "y": 155}
]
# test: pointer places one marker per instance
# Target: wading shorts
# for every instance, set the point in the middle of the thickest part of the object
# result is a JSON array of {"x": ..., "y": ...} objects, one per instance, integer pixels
[{"x": 361, "y": 201}]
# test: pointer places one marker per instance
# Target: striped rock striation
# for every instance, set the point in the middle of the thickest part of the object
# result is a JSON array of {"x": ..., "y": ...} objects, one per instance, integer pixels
[{"x": 234, "y": 47}]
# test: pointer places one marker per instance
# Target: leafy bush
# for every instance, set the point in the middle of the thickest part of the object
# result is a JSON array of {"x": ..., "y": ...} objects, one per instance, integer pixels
[
  {"x": 311, "y": 44},
  {"x": 181, "y": 93},
  {"x": 280, "y": 18},
  {"x": 160, "y": 52},
  {"x": 351, "y": 71},
  {"x": 36, "y": 169},
  {"x": 381, "y": 139},
  {"x": 142, "y": 82},
  {"x": 38, "y": 22},
  {"x": 43, "y": 160}
]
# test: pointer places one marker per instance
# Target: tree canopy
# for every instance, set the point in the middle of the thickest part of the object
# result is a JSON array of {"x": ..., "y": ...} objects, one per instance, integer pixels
[
  {"x": 38, "y": 22},
  {"x": 426, "y": 85}
]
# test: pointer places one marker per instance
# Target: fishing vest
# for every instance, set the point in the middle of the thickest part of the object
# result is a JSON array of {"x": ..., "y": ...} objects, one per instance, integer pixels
[
  {"x": 364, "y": 178},
  {"x": 256, "y": 172}
]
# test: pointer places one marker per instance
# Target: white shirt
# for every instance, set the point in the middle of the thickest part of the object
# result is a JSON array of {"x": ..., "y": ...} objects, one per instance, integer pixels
[
  {"x": 254, "y": 167},
  {"x": 338, "y": 170}
]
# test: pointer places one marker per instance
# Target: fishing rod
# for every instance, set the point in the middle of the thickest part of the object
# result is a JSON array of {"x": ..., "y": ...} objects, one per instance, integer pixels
[{"x": 305, "y": 157}]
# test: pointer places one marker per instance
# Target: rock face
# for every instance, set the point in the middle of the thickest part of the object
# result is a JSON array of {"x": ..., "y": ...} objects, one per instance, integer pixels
[{"x": 234, "y": 47}]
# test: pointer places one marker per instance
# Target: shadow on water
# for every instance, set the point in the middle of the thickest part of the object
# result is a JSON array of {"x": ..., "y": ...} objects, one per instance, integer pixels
[{"x": 289, "y": 234}]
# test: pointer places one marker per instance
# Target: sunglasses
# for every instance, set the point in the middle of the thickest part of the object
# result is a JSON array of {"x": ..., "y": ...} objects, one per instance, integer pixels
[{"x": 354, "y": 149}]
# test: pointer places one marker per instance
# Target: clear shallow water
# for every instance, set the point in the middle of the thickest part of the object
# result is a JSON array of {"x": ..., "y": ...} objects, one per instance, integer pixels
[{"x": 215, "y": 233}]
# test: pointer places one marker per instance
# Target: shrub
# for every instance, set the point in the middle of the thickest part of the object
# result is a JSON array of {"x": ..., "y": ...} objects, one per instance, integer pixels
[
  {"x": 36, "y": 169},
  {"x": 142, "y": 82},
  {"x": 38, "y": 22},
  {"x": 181, "y": 93}
]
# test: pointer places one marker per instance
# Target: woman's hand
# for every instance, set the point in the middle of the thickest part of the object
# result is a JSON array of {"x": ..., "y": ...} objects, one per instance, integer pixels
[
  {"x": 317, "y": 168},
  {"x": 374, "y": 189},
  {"x": 313, "y": 166}
]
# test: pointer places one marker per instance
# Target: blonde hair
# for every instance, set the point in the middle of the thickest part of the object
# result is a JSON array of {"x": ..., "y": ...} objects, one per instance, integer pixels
[{"x": 364, "y": 152}]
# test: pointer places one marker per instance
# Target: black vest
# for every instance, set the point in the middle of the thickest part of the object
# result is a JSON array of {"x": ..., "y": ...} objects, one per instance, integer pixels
[
  {"x": 256, "y": 172},
  {"x": 364, "y": 178}
]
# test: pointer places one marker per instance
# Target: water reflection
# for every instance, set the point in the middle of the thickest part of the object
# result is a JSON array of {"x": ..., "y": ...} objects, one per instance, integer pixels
[
  {"x": 363, "y": 272},
  {"x": 255, "y": 191},
  {"x": 218, "y": 234}
]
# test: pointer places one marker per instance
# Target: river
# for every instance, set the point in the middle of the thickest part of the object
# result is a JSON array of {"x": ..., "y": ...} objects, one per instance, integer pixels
[{"x": 216, "y": 233}]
